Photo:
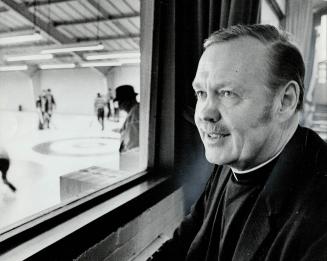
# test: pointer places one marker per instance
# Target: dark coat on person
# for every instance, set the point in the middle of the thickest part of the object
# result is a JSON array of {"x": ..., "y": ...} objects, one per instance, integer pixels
[{"x": 288, "y": 220}]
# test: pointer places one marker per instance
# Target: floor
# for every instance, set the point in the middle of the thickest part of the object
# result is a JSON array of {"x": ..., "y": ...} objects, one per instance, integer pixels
[{"x": 40, "y": 157}]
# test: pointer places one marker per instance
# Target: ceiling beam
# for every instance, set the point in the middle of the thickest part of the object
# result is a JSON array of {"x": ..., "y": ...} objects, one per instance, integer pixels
[
  {"x": 17, "y": 29},
  {"x": 104, "y": 14},
  {"x": 107, "y": 38},
  {"x": 32, "y": 4},
  {"x": 110, "y": 18},
  {"x": 44, "y": 27}
]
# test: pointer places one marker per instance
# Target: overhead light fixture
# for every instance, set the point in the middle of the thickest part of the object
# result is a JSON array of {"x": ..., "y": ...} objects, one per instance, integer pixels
[
  {"x": 30, "y": 57},
  {"x": 100, "y": 64},
  {"x": 13, "y": 68},
  {"x": 113, "y": 55},
  {"x": 74, "y": 48},
  {"x": 15, "y": 38},
  {"x": 130, "y": 61},
  {"x": 57, "y": 66}
]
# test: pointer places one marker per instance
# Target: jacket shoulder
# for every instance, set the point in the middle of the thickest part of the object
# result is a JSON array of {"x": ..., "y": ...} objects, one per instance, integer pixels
[{"x": 316, "y": 150}]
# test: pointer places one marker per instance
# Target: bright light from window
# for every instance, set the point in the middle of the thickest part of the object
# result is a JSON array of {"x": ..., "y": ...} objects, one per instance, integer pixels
[
  {"x": 100, "y": 64},
  {"x": 16, "y": 39},
  {"x": 130, "y": 61},
  {"x": 57, "y": 66},
  {"x": 13, "y": 68},
  {"x": 113, "y": 55},
  {"x": 28, "y": 57},
  {"x": 74, "y": 48}
]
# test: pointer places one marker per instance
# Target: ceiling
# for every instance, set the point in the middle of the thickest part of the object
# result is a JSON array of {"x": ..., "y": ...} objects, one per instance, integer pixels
[{"x": 114, "y": 23}]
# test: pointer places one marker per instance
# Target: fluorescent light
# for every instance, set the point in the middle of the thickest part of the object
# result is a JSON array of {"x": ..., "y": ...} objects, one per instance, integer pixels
[
  {"x": 29, "y": 57},
  {"x": 13, "y": 68},
  {"x": 16, "y": 39},
  {"x": 100, "y": 64},
  {"x": 57, "y": 66},
  {"x": 74, "y": 48},
  {"x": 113, "y": 55},
  {"x": 130, "y": 61}
]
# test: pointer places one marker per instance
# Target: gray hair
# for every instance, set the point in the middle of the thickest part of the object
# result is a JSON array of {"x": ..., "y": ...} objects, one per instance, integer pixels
[{"x": 284, "y": 58}]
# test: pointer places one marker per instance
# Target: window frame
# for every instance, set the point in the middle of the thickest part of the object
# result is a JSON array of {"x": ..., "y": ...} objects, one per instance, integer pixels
[
  {"x": 34, "y": 234},
  {"x": 277, "y": 10},
  {"x": 82, "y": 215}
]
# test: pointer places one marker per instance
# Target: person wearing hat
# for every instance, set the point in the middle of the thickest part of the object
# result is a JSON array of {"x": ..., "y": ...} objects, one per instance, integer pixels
[{"x": 126, "y": 98}]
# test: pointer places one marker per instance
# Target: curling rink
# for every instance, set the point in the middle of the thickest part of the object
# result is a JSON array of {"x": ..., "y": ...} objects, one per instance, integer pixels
[{"x": 40, "y": 157}]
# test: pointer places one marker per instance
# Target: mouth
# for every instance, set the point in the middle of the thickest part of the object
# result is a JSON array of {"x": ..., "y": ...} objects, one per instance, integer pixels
[
  {"x": 217, "y": 135},
  {"x": 215, "y": 138}
]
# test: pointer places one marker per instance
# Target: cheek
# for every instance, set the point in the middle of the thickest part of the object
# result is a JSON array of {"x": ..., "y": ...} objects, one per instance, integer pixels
[
  {"x": 248, "y": 137},
  {"x": 196, "y": 120},
  {"x": 237, "y": 121},
  {"x": 196, "y": 116},
  {"x": 245, "y": 118},
  {"x": 241, "y": 128}
]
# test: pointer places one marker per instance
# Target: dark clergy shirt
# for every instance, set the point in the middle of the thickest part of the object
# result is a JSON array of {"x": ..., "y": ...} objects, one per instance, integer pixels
[
  {"x": 282, "y": 217},
  {"x": 237, "y": 201}
]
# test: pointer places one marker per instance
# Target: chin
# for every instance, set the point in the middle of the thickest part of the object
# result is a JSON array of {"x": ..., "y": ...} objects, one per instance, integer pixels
[{"x": 216, "y": 158}]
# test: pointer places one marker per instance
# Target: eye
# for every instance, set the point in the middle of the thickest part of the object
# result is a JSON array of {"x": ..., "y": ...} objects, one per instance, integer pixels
[
  {"x": 200, "y": 94},
  {"x": 227, "y": 94}
]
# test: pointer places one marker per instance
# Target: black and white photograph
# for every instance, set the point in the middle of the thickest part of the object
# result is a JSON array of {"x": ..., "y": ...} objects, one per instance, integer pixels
[{"x": 155, "y": 130}]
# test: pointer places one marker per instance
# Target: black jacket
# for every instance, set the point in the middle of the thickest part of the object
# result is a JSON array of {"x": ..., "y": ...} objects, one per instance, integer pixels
[{"x": 288, "y": 221}]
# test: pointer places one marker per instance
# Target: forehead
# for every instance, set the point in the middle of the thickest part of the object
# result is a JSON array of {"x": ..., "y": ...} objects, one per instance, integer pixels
[{"x": 242, "y": 59}]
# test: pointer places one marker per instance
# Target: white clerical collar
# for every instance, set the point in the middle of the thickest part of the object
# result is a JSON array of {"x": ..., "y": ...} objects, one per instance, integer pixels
[
  {"x": 264, "y": 163},
  {"x": 258, "y": 166}
]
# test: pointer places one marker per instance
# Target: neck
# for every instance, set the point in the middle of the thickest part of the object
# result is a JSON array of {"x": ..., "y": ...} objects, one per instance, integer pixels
[
  {"x": 282, "y": 137},
  {"x": 287, "y": 130},
  {"x": 257, "y": 166}
]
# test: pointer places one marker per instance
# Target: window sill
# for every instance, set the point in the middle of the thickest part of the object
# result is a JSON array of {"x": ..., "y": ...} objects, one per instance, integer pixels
[{"x": 38, "y": 234}]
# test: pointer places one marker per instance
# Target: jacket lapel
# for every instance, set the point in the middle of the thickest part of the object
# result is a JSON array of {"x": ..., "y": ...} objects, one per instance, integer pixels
[
  {"x": 275, "y": 199},
  {"x": 257, "y": 228}
]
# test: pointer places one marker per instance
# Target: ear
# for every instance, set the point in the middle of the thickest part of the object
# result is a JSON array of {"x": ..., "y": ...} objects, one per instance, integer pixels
[{"x": 288, "y": 100}]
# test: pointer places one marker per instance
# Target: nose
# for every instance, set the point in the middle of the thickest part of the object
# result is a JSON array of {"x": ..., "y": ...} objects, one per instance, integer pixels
[{"x": 210, "y": 111}]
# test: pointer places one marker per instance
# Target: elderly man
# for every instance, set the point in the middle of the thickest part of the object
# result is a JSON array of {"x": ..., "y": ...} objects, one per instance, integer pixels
[{"x": 267, "y": 197}]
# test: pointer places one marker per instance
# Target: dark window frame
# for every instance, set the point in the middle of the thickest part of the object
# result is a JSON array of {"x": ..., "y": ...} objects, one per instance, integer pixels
[{"x": 150, "y": 184}]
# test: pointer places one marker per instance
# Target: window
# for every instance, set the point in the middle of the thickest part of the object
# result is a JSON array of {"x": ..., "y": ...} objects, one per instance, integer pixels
[
  {"x": 55, "y": 164},
  {"x": 272, "y": 12},
  {"x": 316, "y": 95}
]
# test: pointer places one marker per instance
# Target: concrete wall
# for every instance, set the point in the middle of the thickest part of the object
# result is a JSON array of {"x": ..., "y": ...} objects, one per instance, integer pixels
[
  {"x": 16, "y": 88},
  {"x": 136, "y": 237},
  {"x": 124, "y": 75},
  {"x": 74, "y": 89}
]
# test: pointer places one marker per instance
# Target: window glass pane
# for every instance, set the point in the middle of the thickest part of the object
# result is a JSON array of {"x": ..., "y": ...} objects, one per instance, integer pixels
[
  {"x": 66, "y": 131},
  {"x": 315, "y": 109},
  {"x": 282, "y": 5},
  {"x": 267, "y": 15}
]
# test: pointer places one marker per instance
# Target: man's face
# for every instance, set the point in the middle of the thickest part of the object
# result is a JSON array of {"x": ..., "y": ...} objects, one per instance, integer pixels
[
  {"x": 123, "y": 105},
  {"x": 235, "y": 109}
]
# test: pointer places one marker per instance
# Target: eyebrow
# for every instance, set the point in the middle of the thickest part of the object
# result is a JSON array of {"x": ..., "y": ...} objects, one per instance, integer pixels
[{"x": 197, "y": 85}]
